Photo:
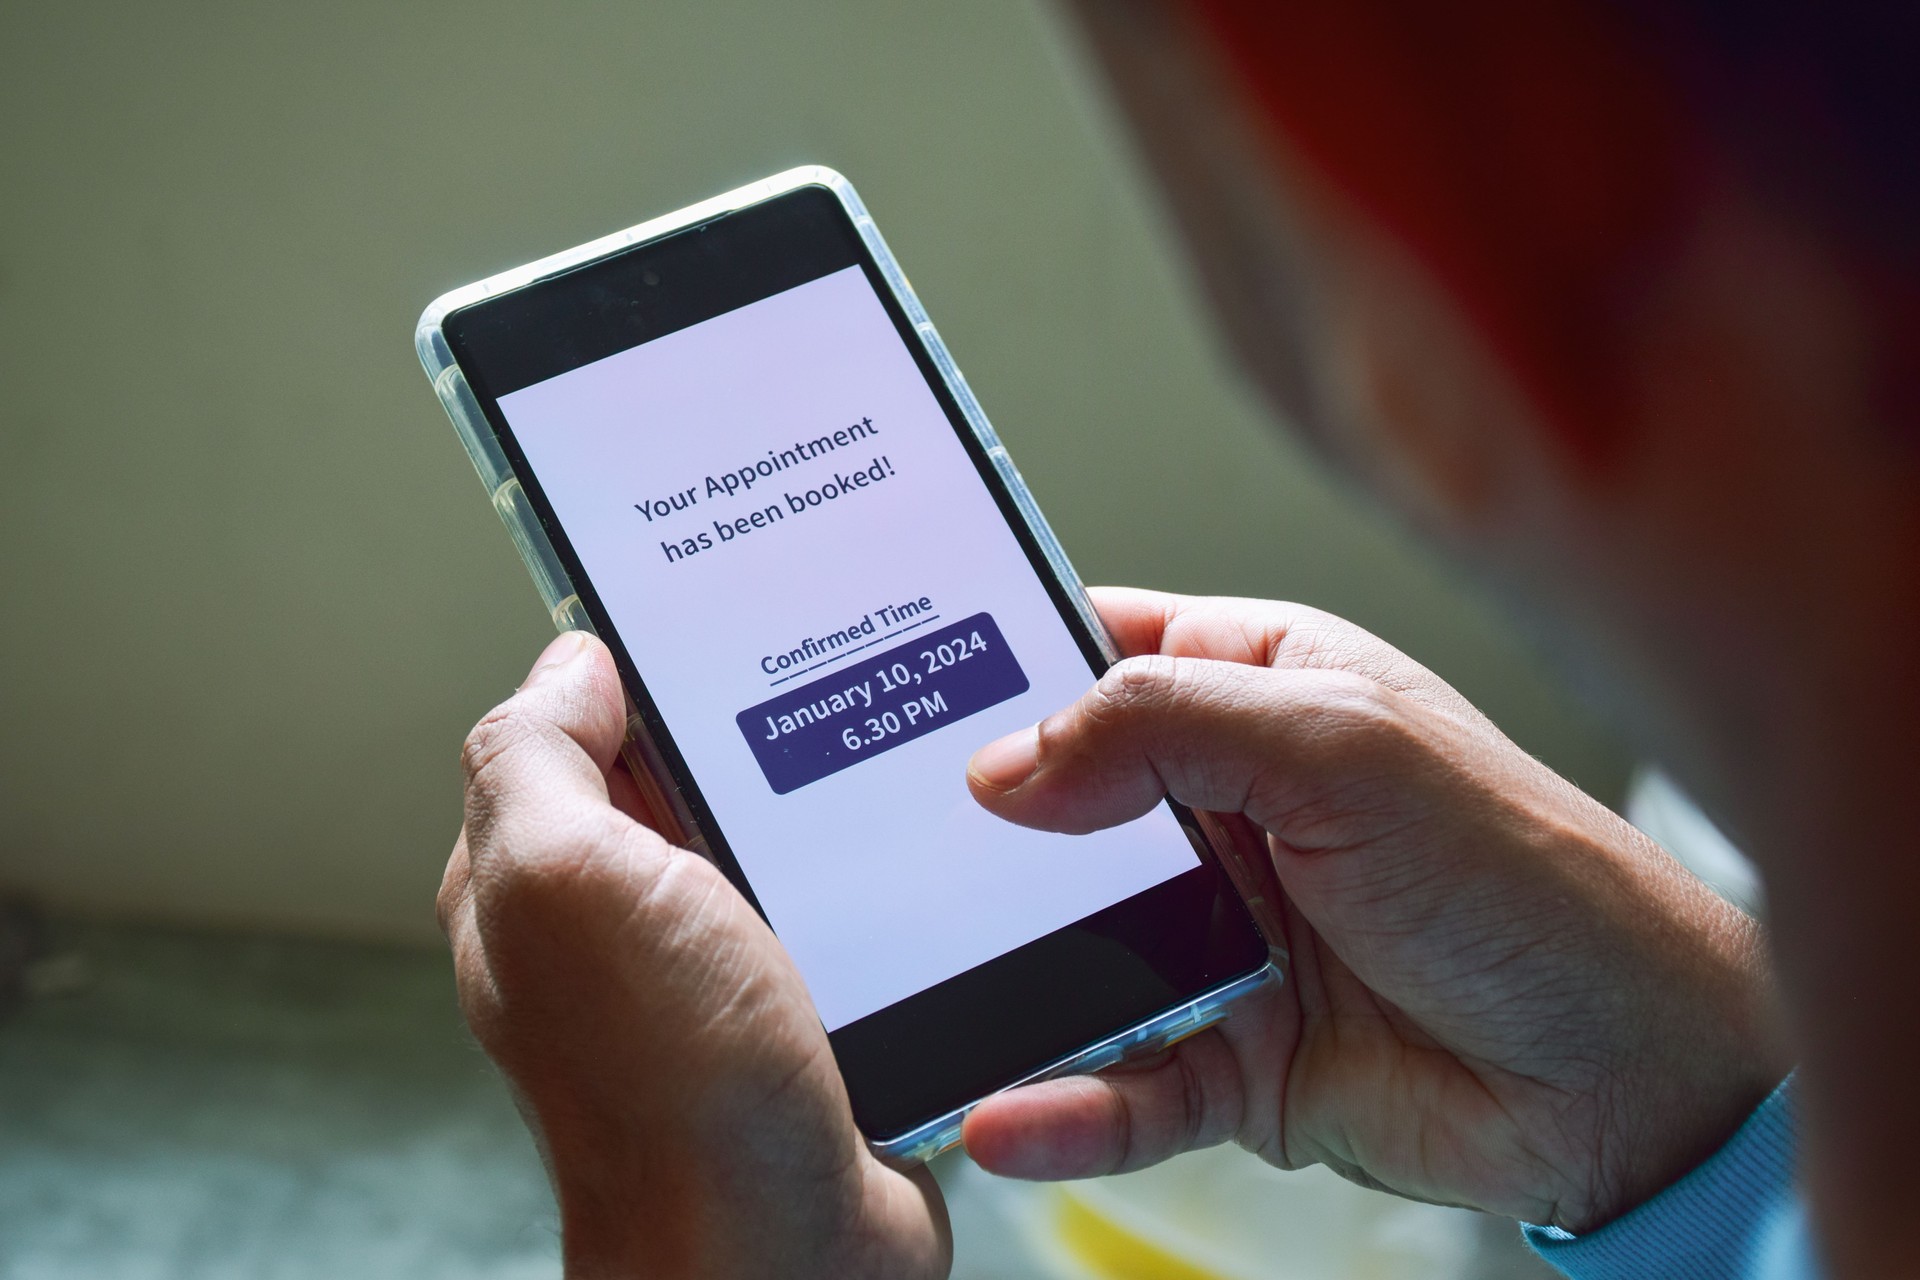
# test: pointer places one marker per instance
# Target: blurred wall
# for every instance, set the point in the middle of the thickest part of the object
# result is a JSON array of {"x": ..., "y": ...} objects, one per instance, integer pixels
[{"x": 254, "y": 594}]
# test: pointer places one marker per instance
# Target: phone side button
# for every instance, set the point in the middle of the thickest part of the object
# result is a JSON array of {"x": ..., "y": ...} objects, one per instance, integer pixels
[
  {"x": 1100, "y": 1059},
  {"x": 571, "y": 615},
  {"x": 1192, "y": 1029}
]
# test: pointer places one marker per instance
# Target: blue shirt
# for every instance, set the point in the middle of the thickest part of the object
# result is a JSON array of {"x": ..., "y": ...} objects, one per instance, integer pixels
[{"x": 1736, "y": 1217}]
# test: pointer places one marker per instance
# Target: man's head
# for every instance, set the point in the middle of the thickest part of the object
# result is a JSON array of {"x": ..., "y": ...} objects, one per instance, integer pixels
[{"x": 1618, "y": 300}]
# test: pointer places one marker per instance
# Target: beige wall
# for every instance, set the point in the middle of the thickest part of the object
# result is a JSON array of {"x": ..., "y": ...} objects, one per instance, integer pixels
[{"x": 254, "y": 594}]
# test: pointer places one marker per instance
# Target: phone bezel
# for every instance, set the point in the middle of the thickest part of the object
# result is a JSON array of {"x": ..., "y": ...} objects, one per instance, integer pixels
[{"x": 1039, "y": 1005}]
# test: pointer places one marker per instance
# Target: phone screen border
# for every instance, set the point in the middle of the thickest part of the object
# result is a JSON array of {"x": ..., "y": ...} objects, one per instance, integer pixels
[{"x": 1038, "y": 1004}]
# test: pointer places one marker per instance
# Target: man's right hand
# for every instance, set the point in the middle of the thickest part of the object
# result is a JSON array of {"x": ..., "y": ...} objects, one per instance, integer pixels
[{"x": 1500, "y": 994}]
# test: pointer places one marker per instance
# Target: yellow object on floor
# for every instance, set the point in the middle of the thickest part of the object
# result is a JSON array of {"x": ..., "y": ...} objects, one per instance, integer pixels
[
  {"x": 1216, "y": 1214},
  {"x": 1112, "y": 1252}
]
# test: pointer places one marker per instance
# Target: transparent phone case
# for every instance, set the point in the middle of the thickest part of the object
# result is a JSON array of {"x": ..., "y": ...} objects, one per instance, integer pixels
[{"x": 668, "y": 806}]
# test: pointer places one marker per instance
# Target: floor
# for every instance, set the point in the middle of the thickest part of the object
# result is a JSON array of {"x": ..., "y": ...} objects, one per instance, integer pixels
[
  {"x": 178, "y": 1105},
  {"x": 185, "y": 1105}
]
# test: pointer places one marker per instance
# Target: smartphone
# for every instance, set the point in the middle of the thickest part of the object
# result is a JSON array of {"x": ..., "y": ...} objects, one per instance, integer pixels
[{"x": 730, "y": 443}]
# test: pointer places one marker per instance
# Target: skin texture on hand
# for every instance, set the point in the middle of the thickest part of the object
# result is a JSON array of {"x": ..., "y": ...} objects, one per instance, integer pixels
[
  {"x": 659, "y": 1042},
  {"x": 1500, "y": 994}
]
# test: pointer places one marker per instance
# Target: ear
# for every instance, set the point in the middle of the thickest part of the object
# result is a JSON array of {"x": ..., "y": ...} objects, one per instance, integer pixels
[
  {"x": 1336, "y": 313},
  {"x": 1534, "y": 160},
  {"x": 1424, "y": 409}
]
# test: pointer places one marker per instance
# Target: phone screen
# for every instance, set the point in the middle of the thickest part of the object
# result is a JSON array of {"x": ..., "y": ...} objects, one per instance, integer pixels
[
  {"x": 831, "y": 614},
  {"x": 823, "y": 601}
]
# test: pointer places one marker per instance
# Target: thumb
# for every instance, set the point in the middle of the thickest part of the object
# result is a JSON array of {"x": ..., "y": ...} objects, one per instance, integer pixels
[
  {"x": 574, "y": 687},
  {"x": 1219, "y": 736},
  {"x": 546, "y": 750}
]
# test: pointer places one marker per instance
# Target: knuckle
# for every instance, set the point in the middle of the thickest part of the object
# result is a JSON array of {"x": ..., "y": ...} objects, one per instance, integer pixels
[
  {"x": 478, "y": 995},
  {"x": 570, "y": 867},
  {"x": 445, "y": 903},
  {"x": 1309, "y": 642},
  {"x": 1134, "y": 687},
  {"x": 531, "y": 861},
  {"x": 1368, "y": 735},
  {"x": 451, "y": 896},
  {"x": 518, "y": 906},
  {"x": 487, "y": 742},
  {"x": 503, "y": 762},
  {"x": 1357, "y": 709}
]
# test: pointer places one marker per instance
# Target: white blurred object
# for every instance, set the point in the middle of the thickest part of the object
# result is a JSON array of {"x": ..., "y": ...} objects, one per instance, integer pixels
[
  {"x": 1219, "y": 1214},
  {"x": 1657, "y": 806}
]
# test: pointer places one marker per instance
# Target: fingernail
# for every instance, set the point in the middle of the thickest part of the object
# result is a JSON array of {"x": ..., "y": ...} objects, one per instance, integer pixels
[
  {"x": 1005, "y": 764},
  {"x": 561, "y": 650}
]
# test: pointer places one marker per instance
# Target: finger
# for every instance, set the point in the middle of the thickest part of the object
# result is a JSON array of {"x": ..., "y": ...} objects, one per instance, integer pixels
[
  {"x": 1265, "y": 633},
  {"x": 1136, "y": 618},
  {"x": 1215, "y": 735},
  {"x": 1230, "y": 630},
  {"x": 538, "y": 761},
  {"x": 643, "y": 799},
  {"x": 1248, "y": 862},
  {"x": 473, "y": 981},
  {"x": 628, "y": 796},
  {"x": 456, "y": 886},
  {"x": 1123, "y": 1119}
]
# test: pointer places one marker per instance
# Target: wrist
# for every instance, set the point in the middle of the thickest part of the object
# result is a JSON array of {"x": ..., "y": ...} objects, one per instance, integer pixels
[
  {"x": 688, "y": 1211},
  {"x": 1741, "y": 1194},
  {"x": 637, "y": 1194},
  {"x": 1696, "y": 1063}
]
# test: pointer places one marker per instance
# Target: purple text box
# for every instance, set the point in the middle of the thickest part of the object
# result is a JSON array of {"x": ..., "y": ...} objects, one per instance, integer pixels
[{"x": 882, "y": 702}]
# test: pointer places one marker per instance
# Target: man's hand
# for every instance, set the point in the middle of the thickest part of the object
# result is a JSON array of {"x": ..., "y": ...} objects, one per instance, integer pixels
[
  {"x": 659, "y": 1041},
  {"x": 1500, "y": 994}
]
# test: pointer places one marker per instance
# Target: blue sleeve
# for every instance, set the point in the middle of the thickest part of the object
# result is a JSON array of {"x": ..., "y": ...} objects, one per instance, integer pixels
[{"x": 1736, "y": 1217}]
